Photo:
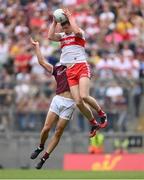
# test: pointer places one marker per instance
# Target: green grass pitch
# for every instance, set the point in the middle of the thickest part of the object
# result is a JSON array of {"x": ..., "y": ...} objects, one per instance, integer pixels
[{"x": 59, "y": 174}]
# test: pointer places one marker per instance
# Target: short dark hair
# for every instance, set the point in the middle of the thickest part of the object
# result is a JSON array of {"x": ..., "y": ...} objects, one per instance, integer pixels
[{"x": 64, "y": 23}]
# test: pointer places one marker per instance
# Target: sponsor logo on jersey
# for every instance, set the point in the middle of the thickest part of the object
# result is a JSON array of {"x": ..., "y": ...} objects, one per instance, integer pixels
[
  {"x": 72, "y": 40},
  {"x": 67, "y": 41}
]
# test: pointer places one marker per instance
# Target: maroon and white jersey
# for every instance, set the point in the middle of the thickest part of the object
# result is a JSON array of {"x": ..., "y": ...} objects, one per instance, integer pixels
[
  {"x": 59, "y": 72},
  {"x": 73, "y": 49}
]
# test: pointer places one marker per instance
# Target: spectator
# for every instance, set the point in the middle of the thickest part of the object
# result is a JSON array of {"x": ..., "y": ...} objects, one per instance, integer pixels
[
  {"x": 116, "y": 106},
  {"x": 3, "y": 49}
]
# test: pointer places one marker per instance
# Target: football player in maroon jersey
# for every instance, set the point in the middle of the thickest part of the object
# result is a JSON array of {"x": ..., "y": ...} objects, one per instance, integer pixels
[{"x": 60, "y": 111}]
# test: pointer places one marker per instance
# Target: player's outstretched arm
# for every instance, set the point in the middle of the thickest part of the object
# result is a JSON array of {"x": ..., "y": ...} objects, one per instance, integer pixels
[
  {"x": 51, "y": 34},
  {"x": 76, "y": 29},
  {"x": 40, "y": 57}
]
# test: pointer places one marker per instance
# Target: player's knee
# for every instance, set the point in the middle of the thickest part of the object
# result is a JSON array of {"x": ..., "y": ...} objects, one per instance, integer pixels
[
  {"x": 79, "y": 102},
  {"x": 84, "y": 97}
]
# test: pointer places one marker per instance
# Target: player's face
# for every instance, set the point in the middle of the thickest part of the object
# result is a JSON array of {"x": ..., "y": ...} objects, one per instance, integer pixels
[{"x": 67, "y": 28}]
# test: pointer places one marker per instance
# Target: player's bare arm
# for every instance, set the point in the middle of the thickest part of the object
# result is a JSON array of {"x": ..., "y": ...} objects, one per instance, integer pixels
[
  {"x": 51, "y": 34},
  {"x": 75, "y": 28},
  {"x": 40, "y": 57}
]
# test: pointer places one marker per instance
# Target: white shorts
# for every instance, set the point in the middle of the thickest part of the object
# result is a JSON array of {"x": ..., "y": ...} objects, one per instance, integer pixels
[{"x": 63, "y": 107}]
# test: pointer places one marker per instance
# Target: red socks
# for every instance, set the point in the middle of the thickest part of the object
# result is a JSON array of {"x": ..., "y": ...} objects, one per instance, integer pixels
[
  {"x": 93, "y": 122},
  {"x": 41, "y": 145},
  {"x": 101, "y": 113}
]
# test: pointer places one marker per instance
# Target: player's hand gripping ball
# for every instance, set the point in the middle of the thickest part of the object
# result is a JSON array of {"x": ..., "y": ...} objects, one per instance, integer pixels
[{"x": 59, "y": 16}]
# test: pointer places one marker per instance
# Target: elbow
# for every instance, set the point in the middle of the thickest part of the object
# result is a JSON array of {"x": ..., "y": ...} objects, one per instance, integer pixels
[
  {"x": 49, "y": 37},
  {"x": 41, "y": 62}
]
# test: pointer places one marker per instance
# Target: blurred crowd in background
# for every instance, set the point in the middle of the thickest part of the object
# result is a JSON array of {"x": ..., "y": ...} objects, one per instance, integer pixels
[{"x": 114, "y": 33}]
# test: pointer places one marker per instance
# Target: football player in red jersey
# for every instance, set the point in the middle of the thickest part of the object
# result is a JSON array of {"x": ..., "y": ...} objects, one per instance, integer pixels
[{"x": 73, "y": 56}]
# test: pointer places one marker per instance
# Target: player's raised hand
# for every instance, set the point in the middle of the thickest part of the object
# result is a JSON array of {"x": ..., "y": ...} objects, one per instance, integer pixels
[
  {"x": 67, "y": 12},
  {"x": 54, "y": 20},
  {"x": 34, "y": 43}
]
